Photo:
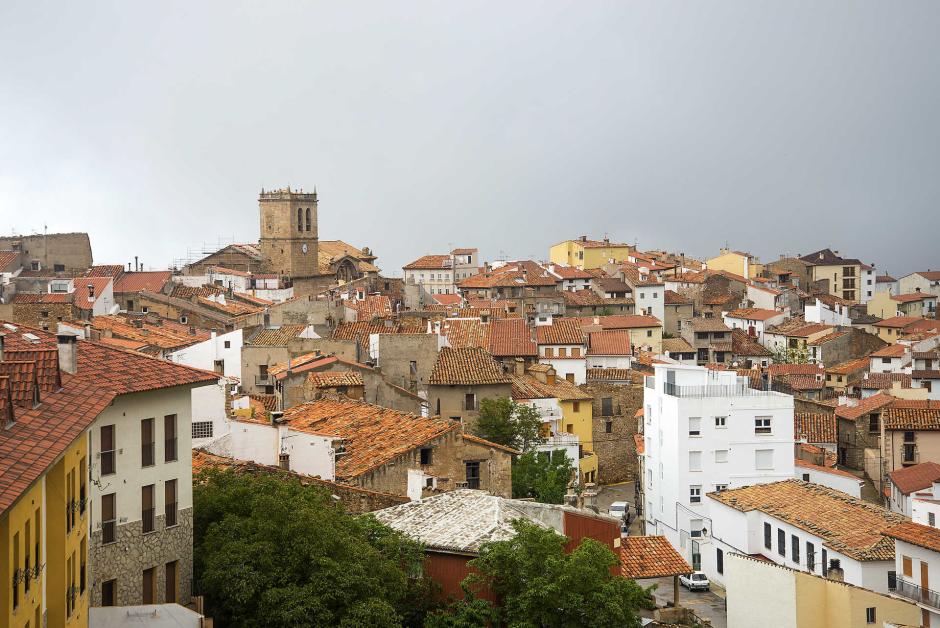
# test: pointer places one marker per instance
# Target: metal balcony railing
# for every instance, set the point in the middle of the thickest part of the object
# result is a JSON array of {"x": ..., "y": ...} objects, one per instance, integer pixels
[
  {"x": 716, "y": 390},
  {"x": 917, "y": 593}
]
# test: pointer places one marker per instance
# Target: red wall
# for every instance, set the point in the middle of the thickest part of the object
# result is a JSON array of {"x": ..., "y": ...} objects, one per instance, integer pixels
[{"x": 449, "y": 570}]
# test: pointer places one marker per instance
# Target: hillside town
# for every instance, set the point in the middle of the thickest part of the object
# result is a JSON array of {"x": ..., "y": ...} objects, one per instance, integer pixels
[{"x": 752, "y": 442}]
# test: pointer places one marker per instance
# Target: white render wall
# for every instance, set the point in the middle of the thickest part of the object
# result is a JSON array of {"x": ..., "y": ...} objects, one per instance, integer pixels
[
  {"x": 652, "y": 298},
  {"x": 609, "y": 361},
  {"x": 777, "y": 599},
  {"x": 263, "y": 443},
  {"x": 851, "y": 486},
  {"x": 821, "y": 313},
  {"x": 918, "y": 555},
  {"x": 204, "y": 354},
  {"x": 921, "y": 510},
  {"x": 669, "y": 476}
]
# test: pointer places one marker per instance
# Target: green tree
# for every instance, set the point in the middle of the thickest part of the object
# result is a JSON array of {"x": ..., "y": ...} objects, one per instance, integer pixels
[
  {"x": 540, "y": 586},
  {"x": 271, "y": 552},
  {"x": 790, "y": 355},
  {"x": 542, "y": 475},
  {"x": 508, "y": 423}
]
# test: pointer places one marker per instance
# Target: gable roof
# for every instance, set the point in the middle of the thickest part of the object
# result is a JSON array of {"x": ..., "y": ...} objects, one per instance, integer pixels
[
  {"x": 864, "y": 406},
  {"x": 650, "y": 557},
  {"x": 815, "y": 427},
  {"x": 846, "y": 524},
  {"x": 511, "y": 337},
  {"x": 753, "y": 313},
  {"x": 918, "y": 534},
  {"x": 467, "y": 366},
  {"x": 915, "y": 478},
  {"x": 562, "y": 331},
  {"x": 372, "y": 435},
  {"x": 154, "y": 281},
  {"x": 611, "y": 342},
  {"x": 529, "y": 387},
  {"x": 430, "y": 262},
  {"x": 905, "y": 414}
]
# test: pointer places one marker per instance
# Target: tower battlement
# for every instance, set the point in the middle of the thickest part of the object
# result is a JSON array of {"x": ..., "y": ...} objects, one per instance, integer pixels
[{"x": 286, "y": 194}]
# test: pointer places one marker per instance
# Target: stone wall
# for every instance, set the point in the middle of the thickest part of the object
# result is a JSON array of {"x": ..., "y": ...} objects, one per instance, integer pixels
[
  {"x": 854, "y": 439},
  {"x": 126, "y": 559},
  {"x": 851, "y": 346},
  {"x": 448, "y": 400},
  {"x": 282, "y": 244},
  {"x": 397, "y": 351},
  {"x": 613, "y": 433},
  {"x": 32, "y": 314},
  {"x": 70, "y": 250}
]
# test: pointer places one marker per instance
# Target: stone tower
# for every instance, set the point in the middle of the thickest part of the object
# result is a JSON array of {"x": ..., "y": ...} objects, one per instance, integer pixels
[{"x": 289, "y": 234}]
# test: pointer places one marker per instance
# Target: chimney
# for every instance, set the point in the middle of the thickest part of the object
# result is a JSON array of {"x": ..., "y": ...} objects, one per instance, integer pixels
[
  {"x": 68, "y": 352},
  {"x": 1, "y": 347},
  {"x": 835, "y": 571},
  {"x": 519, "y": 366},
  {"x": 91, "y": 292},
  {"x": 550, "y": 377},
  {"x": 135, "y": 264},
  {"x": 138, "y": 323},
  {"x": 584, "y": 238}
]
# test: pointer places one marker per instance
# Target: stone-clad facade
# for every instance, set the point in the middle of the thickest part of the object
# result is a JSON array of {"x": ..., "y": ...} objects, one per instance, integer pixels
[
  {"x": 613, "y": 425},
  {"x": 289, "y": 242},
  {"x": 133, "y": 551}
]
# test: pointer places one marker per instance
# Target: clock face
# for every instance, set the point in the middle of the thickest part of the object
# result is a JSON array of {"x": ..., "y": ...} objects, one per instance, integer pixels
[{"x": 303, "y": 249}]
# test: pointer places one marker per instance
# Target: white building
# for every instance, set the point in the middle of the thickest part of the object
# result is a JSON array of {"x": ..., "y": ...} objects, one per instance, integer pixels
[
  {"x": 919, "y": 481},
  {"x": 571, "y": 277},
  {"x": 803, "y": 526},
  {"x": 650, "y": 299},
  {"x": 866, "y": 283},
  {"x": 764, "y": 297},
  {"x": 754, "y": 320},
  {"x": 835, "y": 314},
  {"x": 896, "y": 358},
  {"x": 917, "y": 567},
  {"x": 222, "y": 353},
  {"x": 927, "y": 281},
  {"x": 829, "y": 476},
  {"x": 707, "y": 431},
  {"x": 561, "y": 345}
]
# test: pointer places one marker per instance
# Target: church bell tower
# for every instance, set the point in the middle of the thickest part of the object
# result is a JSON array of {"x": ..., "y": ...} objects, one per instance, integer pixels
[{"x": 289, "y": 233}]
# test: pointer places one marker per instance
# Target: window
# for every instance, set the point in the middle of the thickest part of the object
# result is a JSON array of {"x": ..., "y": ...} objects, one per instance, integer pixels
[
  {"x": 170, "y": 503},
  {"x": 762, "y": 425},
  {"x": 767, "y": 536},
  {"x": 810, "y": 556},
  {"x": 202, "y": 429},
  {"x": 721, "y": 455},
  {"x": 562, "y": 352},
  {"x": 227, "y": 344},
  {"x": 806, "y": 477},
  {"x": 764, "y": 459},
  {"x": 184, "y": 320},
  {"x": 886, "y": 360},
  {"x": 795, "y": 548},
  {"x": 549, "y": 352},
  {"x": 283, "y": 461},
  {"x": 308, "y": 219},
  {"x": 695, "y": 426},
  {"x": 171, "y": 579},
  {"x": 695, "y": 461},
  {"x": 16, "y": 562},
  {"x": 169, "y": 436},
  {"x": 931, "y": 520},
  {"x": 608, "y": 427},
  {"x": 649, "y": 333},
  {"x": 892, "y": 580},
  {"x": 721, "y": 422},
  {"x": 469, "y": 401},
  {"x": 108, "y": 592},
  {"x": 107, "y": 450},
  {"x": 874, "y": 423},
  {"x": 146, "y": 508},
  {"x": 569, "y": 377},
  {"x": 146, "y": 443},
  {"x": 695, "y": 494},
  {"x": 473, "y": 474},
  {"x": 26, "y": 567},
  {"x": 607, "y": 406},
  {"x": 576, "y": 352},
  {"x": 300, "y": 227},
  {"x": 108, "y": 517},
  {"x": 426, "y": 455},
  {"x": 781, "y": 542},
  {"x": 149, "y": 586},
  {"x": 721, "y": 487},
  {"x": 720, "y": 561},
  {"x": 870, "y": 615}
]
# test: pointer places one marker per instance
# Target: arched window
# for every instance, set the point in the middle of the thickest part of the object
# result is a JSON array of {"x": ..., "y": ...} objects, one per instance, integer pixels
[
  {"x": 308, "y": 219},
  {"x": 300, "y": 219}
]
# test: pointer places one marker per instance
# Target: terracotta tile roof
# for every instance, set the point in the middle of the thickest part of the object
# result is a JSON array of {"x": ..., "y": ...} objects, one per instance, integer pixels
[
  {"x": 611, "y": 375},
  {"x": 46, "y": 365},
  {"x": 153, "y": 281},
  {"x": 371, "y": 306},
  {"x": 829, "y": 458},
  {"x": 835, "y": 335},
  {"x": 432, "y": 262},
  {"x": 846, "y": 524},
  {"x": 823, "y": 469},
  {"x": 915, "y": 478},
  {"x": 466, "y": 332},
  {"x": 333, "y": 379},
  {"x": 277, "y": 336},
  {"x": 529, "y": 387},
  {"x": 570, "y": 272},
  {"x": 794, "y": 369},
  {"x": 266, "y": 403},
  {"x": 891, "y": 351},
  {"x": 7, "y": 258},
  {"x": 447, "y": 299},
  {"x": 562, "y": 331},
  {"x": 932, "y": 354},
  {"x": 203, "y": 460},
  {"x": 706, "y": 325},
  {"x": 298, "y": 361},
  {"x": 469, "y": 366},
  {"x": 163, "y": 333},
  {"x": 639, "y": 443},
  {"x": 612, "y": 284},
  {"x": 361, "y": 330},
  {"x": 805, "y": 382},
  {"x": 897, "y": 321},
  {"x": 925, "y": 374},
  {"x": 105, "y": 270},
  {"x": 753, "y": 313},
  {"x": 372, "y": 435},
  {"x": 808, "y": 330},
  {"x": 912, "y": 297},
  {"x": 511, "y": 337},
  {"x": 852, "y": 366},
  {"x": 884, "y": 381},
  {"x": 612, "y": 342},
  {"x": 80, "y": 285},
  {"x": 487, "y": 443},
  {"x": 677, "y": 345},
  {"x": 930, "y": 275},
  {"x": 44, "y": 297},
  {"x": 618, "y": 321},
  {"x": 512, "y": 274},
  {"x": 916, "y": 534},
  {"x": 826, "y": 257},
  {"x": 744, "y": 345},
  {"x": 864, "y": 406},
  {"x": 121, "y": 343},
  {"x": 814, "y": 427},
  {"x": 912, "y": 415},
  {"x": 650, "y": 557},
  {"x": 674, "y": 298}
]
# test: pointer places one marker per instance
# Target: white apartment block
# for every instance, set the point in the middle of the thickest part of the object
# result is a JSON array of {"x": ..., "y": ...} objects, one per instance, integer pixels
[{"x": 707, "y": 431}]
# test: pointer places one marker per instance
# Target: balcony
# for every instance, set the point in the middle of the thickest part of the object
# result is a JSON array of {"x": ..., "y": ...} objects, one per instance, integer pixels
[
  {"x": 559, "y": 440},
  {"x": 264, "y": 380},
  {"x": 918, "y": 594},
  {"x": 740, "y": 389}
]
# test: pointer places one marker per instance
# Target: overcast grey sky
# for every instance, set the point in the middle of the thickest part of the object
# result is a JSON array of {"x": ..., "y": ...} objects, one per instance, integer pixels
[{"x": 775, "y": 126}]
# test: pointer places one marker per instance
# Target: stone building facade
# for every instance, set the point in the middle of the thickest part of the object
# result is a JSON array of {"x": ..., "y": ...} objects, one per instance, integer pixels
[
  {"x": 65, "y": 253},
  {"x": 289, "y": 242},
  {"x": 42, "y": 315},
  {"x": 613, "y": 426},
  {"x": 123, "y": 560},
  {"x": 407, "y": 359}
]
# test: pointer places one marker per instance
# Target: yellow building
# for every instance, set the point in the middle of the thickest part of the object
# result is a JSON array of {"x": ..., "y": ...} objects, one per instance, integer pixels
[
  {"x": 883, "y": 305},
  {"x": 736, "y": 262},
  {"x": 586, "y": 254},
  {"x": 566, "y": 411},
  {"x": 21, "y": 529}
]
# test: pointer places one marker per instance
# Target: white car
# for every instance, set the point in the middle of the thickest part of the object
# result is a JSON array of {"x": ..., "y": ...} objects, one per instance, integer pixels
[
  {"x": 617, "y": 509},
  {"x": 695, "y": 581}
]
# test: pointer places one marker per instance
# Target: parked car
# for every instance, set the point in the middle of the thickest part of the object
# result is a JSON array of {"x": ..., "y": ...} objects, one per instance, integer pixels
[
  {"x": 618, "y": 509},
  {"x": 695, "y": 581}
]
